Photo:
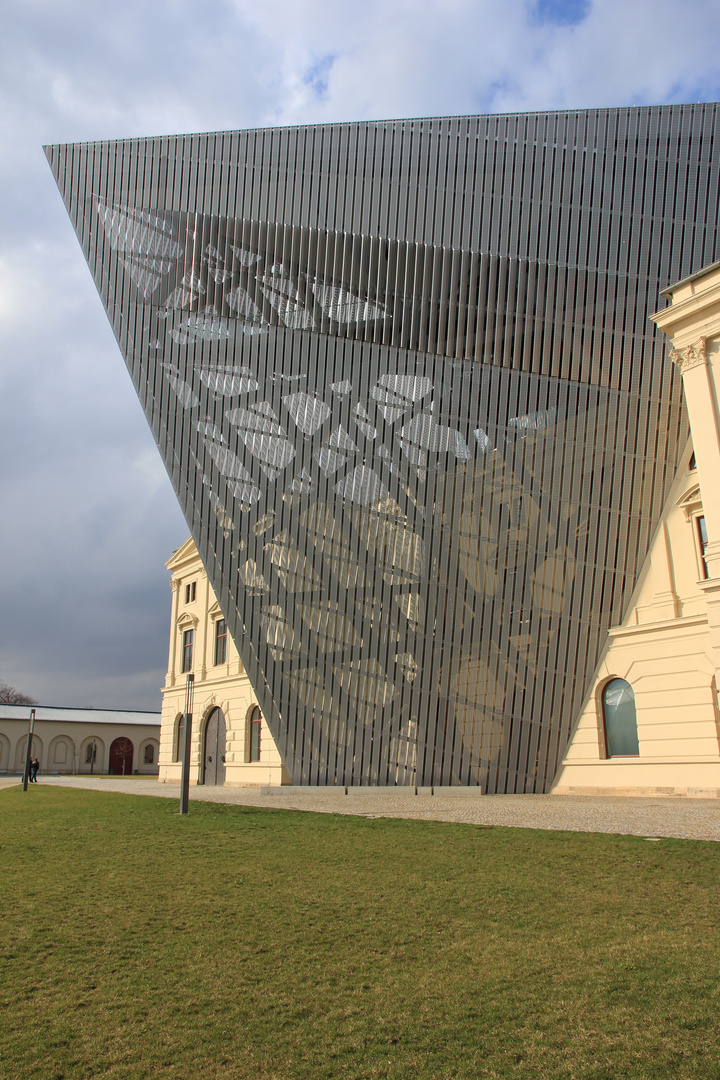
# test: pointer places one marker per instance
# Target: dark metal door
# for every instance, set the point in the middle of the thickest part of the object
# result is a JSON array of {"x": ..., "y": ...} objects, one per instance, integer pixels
[{"x": 214, "y": 760}]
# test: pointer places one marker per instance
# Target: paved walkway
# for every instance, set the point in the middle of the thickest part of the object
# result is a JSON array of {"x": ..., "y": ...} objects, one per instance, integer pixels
[{"x": 692, "y": 819}]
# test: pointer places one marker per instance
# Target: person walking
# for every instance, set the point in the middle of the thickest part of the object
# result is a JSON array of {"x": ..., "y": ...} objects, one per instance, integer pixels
[{"x": 34, "y": 766}]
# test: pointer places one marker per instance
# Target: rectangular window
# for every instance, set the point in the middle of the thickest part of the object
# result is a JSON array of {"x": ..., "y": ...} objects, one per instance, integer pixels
[
  {"x": 220, "y": 641},
  {"x": 187, "y": 650},
  {"x": 702, "y": 543},
  {"x": 190, "y": 592},
  {"x": 150, "y": 754}
]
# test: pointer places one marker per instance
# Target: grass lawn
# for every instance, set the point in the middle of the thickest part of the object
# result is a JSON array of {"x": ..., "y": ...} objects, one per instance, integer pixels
[{"x": 243, "y": 943}]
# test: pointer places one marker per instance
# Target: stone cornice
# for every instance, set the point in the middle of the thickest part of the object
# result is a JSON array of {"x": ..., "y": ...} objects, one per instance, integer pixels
[
  {"x": 694, "y": 311},
  {"x": 643, "y": 759},
  {"x": 184, "y": 557},
  {"x": 686, "y": 622}
]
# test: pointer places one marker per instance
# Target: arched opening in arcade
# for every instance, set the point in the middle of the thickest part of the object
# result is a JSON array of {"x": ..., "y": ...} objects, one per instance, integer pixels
[{"x": 121, "y": 757}]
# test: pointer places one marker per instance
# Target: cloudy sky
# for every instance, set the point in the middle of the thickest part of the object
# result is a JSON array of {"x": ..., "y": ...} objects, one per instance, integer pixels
[{"x": 87, "y": 515}]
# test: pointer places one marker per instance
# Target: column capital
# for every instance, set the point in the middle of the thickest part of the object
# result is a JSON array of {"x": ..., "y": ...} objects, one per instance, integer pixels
[{"x": 691, "y": 356}]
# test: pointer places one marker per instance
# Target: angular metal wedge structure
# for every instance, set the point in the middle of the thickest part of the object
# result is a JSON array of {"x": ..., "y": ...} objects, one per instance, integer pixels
[{"x": 402, "y": 378}]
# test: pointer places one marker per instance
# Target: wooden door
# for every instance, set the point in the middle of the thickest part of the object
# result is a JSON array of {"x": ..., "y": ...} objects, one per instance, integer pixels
[
  {"x": 214, "y": 753},
  {"x": 121, "y": 757}
]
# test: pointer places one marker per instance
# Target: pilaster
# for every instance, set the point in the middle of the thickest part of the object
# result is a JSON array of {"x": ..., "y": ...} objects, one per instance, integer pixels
[
  {"x": 701, "y": 397},
  {"x": 692, "y": 321},
  {"x": 175, "y": 586}
]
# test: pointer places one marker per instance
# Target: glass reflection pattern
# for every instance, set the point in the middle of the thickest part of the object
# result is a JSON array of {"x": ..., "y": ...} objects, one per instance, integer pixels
[
  {"x": 620, "y": 719},
  {"x": 402, "y": 378}
]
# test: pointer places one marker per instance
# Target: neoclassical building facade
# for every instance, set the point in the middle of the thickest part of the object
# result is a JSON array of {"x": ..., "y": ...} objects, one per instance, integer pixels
[
  {"x": 231, "y": 743},
  {"x": 650, "y": 724}
]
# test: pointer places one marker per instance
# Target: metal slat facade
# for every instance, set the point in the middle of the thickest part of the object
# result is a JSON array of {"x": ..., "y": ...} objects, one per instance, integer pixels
[{"x": 403, "y": 381}]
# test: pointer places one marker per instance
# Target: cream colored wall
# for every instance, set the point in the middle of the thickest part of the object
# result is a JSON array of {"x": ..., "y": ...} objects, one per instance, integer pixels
[
  {"x": 668, "y": 646},
  {"x": 75, "y": 737},
  {"x": 225, "y": 686},
  {"x": 663, "y": 650}
]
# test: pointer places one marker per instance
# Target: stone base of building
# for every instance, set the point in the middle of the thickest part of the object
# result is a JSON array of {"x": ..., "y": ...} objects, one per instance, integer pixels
[
  {"x": 238, "y": 776},
  {"x": 650, "y": 779},
  {"x": 642, "y": 792},
  {"x": 338, "y": 789}
]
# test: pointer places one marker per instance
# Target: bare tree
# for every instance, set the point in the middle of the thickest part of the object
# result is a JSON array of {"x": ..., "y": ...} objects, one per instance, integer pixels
[{"x": 10, "y": 696}]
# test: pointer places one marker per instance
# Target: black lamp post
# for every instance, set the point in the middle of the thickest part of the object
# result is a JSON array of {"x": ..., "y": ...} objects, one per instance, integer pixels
[{"x": 28, "y": 750}]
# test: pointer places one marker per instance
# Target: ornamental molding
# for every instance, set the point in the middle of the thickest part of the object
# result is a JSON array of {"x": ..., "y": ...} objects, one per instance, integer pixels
[
  {"x": 186, "y": 620},
  {"x": 691, "y": 356},
  {"x": 209, "y": 704},
  {"x": 691, "y": 502}
]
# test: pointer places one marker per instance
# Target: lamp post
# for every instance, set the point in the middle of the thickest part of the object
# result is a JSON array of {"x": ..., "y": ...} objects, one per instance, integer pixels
[
  {"x": 185, "y": 774},
  {"x": 28, "y": 750}
]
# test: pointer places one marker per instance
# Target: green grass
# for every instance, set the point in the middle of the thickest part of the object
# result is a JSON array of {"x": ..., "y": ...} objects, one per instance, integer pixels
[{"x": 242, "y": 943}]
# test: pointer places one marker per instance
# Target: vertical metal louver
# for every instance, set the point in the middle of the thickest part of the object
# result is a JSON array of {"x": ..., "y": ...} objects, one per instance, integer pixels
[{"x": 403, "y": 381}]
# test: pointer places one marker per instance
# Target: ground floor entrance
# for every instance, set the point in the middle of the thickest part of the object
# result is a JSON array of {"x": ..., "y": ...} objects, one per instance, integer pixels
[
  {"x": 121, "y": 757},
  {"x": 214, "y": 749}
]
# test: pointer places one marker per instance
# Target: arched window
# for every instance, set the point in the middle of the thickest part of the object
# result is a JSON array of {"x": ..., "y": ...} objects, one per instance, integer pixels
[
  {"x": 620, "y": 719},
  {"x": 92, "y": 755},
  {"x": 179, "y": 737},
  {"x": 4, "y": 753},
  {"x": 254, "y": 723}
]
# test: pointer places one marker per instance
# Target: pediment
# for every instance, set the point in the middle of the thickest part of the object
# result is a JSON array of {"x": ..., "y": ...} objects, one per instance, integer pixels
[
  {"x": 691, "y": 501},
  {"x": 187, "y": 553}
]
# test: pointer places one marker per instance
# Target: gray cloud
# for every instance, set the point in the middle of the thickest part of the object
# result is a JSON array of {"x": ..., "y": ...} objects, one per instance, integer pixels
[{"x": 88, "y": 516}]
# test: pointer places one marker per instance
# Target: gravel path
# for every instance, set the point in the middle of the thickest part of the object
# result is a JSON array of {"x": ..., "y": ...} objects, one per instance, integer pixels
[{"x": 690, "y": 819}]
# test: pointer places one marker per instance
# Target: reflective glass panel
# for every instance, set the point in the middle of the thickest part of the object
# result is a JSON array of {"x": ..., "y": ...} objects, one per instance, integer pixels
[{"x": 621, "y": 733}]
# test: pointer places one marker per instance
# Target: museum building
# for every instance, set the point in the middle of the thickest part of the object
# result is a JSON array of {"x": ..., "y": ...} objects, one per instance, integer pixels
[
  {"x": 231, "y": 743},
  {"x": 424, "y": 435}
]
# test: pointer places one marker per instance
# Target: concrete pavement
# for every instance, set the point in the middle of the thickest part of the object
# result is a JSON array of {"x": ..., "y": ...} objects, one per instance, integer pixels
[{"x": 692, "y": 819}]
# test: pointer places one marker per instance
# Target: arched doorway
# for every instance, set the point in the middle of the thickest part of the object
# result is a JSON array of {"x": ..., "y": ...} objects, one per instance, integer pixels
[
  {"x": 214, "y": 743},
  {"x": 121, "y": 757}
]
